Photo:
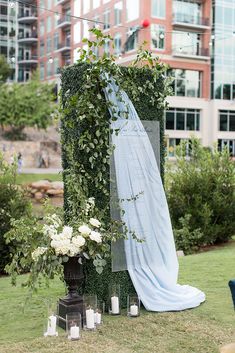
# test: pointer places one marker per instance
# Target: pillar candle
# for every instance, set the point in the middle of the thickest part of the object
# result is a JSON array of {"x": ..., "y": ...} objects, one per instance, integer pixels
[
  {"x": 134, "y": 310},
  {"x": 74, "y": 332},
  {"x": 115, "y": 305},
  {"x": 90, "y": 322}
]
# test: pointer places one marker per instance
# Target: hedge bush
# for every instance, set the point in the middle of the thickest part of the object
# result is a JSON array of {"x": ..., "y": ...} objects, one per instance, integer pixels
[{"x": 201, "y": 197}]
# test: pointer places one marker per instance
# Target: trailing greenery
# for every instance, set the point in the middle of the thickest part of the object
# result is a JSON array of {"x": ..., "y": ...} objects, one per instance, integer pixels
[
  {"x": 23, "y": 105},
  {"x": 86, "y": 148},
  {"x": 13, "y": 205},
  {"x": 201, "y": 196},
  {"x": 5, "y": 69}
]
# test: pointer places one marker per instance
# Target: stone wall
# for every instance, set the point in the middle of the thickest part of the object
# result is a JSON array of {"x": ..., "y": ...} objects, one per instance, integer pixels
[{"x": 32, "y": 153}]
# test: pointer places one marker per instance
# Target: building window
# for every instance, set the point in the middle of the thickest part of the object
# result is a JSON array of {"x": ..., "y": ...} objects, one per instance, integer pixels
[
  {"x": 96, "y": 3},
  {"x": 188, "y": 12},
  {"x": 3, "y": 10},
  {"x": 49, "y": 68},
  {"x": 41, "y": 6},
  {"x": 132, "y": 39},
  {"x": 229, "y": 144},
  {"x": 158, "y": 36},
  {"x": 41, "y": 71},
  {"x": 48, "y": 24},
  {"x": 107, "y": 47},
  {"x": 42, "y": 28},
  {"x": 174, "y": 143},
  {"x": 185, "y": 83},
  {"x": 56, "y": 66},
  {"x": 106, "y": 19},
  {"x": 56, "y": 40},
  {"x": 42, "y": 49},
  {"x": 117, "y": 43},
  {"x": 188, "y": 43},
  {"x": 183, "y": 119},
  {"x": 77, "y": 32},
  {"x": 118, "y": 13},
  {"x": 77, "y": 8},
  {"x": 132, "y": 10},
  {"x": 159, "y": 8},
  {"x": 96, "y": 22},
  {"x": 86, "y": 6},
  {"x": 227, "y": 120},
  {"x": 85, "y": 29},
  {"x": 48, "y": 45}
]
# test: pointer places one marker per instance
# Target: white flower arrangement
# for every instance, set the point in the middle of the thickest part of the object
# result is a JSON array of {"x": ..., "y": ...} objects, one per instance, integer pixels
[{"x": 43, "y": 246}]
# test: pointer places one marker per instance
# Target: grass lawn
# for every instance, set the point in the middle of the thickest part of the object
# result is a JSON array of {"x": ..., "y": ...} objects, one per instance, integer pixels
[
  {"x": 201, "y": 330},
  {"x": 29, "y": 178}
]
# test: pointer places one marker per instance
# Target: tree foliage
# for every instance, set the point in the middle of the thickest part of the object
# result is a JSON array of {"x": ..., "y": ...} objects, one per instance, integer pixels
[
  {"x": 26, "y": 105},
  {"x": 13, "y": 205},
  {"x": 201, "y": 197},
  {"x": 5, "y": 69}
]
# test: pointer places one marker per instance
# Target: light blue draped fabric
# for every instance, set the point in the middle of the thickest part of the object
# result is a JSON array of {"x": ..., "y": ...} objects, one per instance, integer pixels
[{"x": 152, "y": 264}]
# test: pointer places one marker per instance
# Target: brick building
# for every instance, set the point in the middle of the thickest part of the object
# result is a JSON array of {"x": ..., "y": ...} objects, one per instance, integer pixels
[{"x": 195, "y": 37}]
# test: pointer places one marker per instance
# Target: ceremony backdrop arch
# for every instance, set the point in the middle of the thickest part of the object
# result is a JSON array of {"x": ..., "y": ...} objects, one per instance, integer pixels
[{"x": 74, "y": 157}]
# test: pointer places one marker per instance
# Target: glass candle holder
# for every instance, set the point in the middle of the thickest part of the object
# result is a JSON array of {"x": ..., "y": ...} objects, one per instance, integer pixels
[
  {"x": 98, "y": 313},
  {"x": 73, "y": 326},
  {"x": 90, "y": 306},
  {"x": 133, "y": 306},
  {"x": 114, "y": 299},
  {"x": 51, "y": 326}
]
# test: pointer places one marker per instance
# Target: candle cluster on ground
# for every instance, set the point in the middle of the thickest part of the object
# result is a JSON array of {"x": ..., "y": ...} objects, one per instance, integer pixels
[{"x": 92, "y": 314}]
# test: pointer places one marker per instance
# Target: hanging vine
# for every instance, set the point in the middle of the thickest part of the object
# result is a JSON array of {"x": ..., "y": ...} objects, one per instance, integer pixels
[{"x": 86, "y": 122}]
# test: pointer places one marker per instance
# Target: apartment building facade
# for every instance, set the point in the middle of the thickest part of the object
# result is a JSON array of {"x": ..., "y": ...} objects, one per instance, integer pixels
[{"x": 195, "y": 37}]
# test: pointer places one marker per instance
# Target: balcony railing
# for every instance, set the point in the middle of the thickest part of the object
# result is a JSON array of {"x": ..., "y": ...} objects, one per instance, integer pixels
[
  {"x": 64, "y": 21},
  {"x": 186, "y": 19},
  {"x": 27, "y": 16},
  {"x": 28, "y": 37},
  {"x": 31, "y": 59},
  {"x": 61, "y": 2},
  {"x": 184, "y": 52},
  {"x": 63, "y": 45}
]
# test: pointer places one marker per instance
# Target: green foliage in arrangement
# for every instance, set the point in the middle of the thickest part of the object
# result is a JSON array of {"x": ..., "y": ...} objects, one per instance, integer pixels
[
  {"x": 13, "y": 204},
  {"x": 23, "y": 105},
  {"x": 201, "y": 197},
  {"x": 5, "y": 69},
  {"x": 86, "y": 148}
]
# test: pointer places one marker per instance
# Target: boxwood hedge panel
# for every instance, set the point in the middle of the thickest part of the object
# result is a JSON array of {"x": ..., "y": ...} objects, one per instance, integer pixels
[{"x": 72, "y": 79}]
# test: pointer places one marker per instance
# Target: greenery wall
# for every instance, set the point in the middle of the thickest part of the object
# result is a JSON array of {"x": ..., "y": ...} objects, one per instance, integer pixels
[{"x": 74, "y": 85}]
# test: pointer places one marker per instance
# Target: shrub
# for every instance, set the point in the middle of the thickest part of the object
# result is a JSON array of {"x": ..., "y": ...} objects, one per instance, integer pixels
[
  {"x": 14, "y": 204},
  {"x": 200, "y": 192}
]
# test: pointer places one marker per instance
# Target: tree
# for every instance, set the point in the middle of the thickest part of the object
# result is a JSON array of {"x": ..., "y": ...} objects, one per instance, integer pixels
[
  {"x": 26, "y": 105},
  {"x": 5, "y": 69}
]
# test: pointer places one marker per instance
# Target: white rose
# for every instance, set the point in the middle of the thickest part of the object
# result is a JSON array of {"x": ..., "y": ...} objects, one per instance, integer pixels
[
  {"x": 94, "y": 222},
  {"x": 84, "y": 229},
  {"x": 91, "y": 200},
  {"x": 67, "y": 232},
  {"x": 96, "y": 236},
  {"x": 78, "y": 241}
]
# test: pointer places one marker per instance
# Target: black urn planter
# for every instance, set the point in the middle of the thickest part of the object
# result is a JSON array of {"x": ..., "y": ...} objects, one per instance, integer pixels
[{"x": 72, "y": 302}]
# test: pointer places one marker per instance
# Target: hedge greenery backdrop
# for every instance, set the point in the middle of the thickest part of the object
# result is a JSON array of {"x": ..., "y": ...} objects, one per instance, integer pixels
[{"x": 85, "y": 131}]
